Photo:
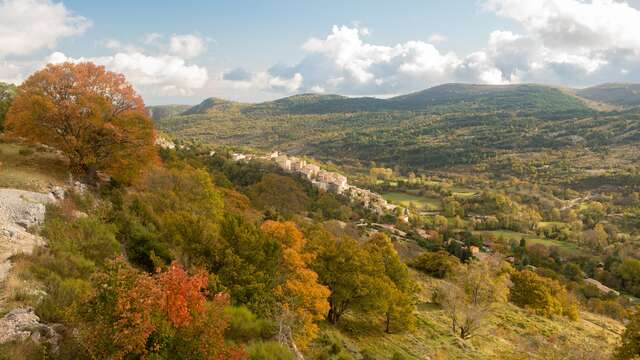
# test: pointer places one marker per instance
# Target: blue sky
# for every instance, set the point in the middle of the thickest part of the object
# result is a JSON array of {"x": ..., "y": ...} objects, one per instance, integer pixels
[{"x": 182, "y": 52}]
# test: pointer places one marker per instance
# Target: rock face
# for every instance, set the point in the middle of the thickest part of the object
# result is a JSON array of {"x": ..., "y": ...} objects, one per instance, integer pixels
[
  {"x": 22, "y": 323},
  {"x": 20, "y": 210}
]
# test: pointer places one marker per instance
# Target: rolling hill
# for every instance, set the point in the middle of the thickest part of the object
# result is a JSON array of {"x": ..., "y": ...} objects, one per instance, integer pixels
[
  {"x": 625, "y": 95},
  {"x": 438, "y": 99}
]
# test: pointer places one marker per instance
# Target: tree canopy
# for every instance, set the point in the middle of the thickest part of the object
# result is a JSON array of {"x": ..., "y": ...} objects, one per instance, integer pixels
[{"x": 90, "y": 114}]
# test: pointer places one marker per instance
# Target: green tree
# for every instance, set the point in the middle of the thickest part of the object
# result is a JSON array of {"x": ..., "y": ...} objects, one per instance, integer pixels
[
  {"x": 397, "y": 302},
  {"x": 280, "y": 193},
  {"x": 349, "y": 272}
]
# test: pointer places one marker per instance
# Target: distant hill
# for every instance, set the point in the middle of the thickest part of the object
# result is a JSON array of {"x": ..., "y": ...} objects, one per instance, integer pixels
[
  {"x": 626, "y": 95},
  {"x": 452, "y": 124},
  {"x": 443, "y": 98},
  {"x": 212, "y": 104},
  {"x": 490, "y": 97}
]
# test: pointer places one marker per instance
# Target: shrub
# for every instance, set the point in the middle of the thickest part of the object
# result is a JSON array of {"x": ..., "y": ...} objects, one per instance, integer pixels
[
  {"x": 269, "y": 350},
  {"x": 245, "y": 326},
  {"x": 437, "y": 264}
]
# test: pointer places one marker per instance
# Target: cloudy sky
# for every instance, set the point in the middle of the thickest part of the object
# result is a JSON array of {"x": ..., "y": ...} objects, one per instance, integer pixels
[{"x": 184, "y": 51}]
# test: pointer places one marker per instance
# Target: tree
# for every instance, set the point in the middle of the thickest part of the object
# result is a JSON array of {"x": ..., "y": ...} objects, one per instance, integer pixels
[
  {"x": 470, "y": 297},
  {"x": 302, "y": 300},
  {"x": 7, "y": 92},
  {"x": 543, "y": 295},
  {"x": 92, "y": 115},
  {"x": 437, "y": 264},
  {"x": 397, "y": 300},
  {"x": 630, "y": 341},
  {"x": 280, "y": 193},
  {"x": 347, "y": 269},
  {"x": 133, "y": 314}
]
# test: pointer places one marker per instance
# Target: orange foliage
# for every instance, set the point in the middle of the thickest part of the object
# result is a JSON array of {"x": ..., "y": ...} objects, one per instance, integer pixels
[
  {"x": 130, "y": 306},
  {"x": 302, "y": 298},
  {"x": 92, "y": 115},
  {"x": 182, "y": 294}
]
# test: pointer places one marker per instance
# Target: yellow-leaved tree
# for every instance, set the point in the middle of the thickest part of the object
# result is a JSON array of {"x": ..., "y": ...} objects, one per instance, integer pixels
[{"x": 301, "y": 298}]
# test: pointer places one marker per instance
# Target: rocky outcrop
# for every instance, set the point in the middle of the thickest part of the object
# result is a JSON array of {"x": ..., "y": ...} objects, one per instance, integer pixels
[
  {"x": 19, "y": 211},
  {"x": 22, "y": 323}
]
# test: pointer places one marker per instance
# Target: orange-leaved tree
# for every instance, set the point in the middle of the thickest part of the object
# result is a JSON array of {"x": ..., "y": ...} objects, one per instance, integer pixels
[
  {"x": 301, "y": 298},
  {"x": 135, "y": 315},
  {"x": 90, "y": 114}
]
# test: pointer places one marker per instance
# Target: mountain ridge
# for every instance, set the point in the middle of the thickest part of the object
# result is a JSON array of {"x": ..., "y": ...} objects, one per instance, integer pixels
[{"x": 480, "y": 97}]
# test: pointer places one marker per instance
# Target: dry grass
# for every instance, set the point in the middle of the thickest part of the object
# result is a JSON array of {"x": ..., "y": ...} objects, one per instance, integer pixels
[{"x": 30, "y": 168}]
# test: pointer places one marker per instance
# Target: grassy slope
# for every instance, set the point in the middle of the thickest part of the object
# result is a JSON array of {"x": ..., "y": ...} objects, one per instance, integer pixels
[
  {"x": 511, "y": 333},
  {"x": 34, "y": 171}
]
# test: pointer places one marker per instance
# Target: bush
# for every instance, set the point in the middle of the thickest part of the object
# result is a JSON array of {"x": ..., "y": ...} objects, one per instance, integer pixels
[
  {"x": 437, "y": 264},
  {"x": 269, "y": 350},
  {"x": 245, "y": 326}
]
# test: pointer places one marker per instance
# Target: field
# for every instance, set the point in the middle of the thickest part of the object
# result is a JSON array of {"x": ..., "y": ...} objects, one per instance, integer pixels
[
  {"x": 419, "y": 202},
  {"x": 531, "y": 239},
  {"x": 30, "y": 169}
]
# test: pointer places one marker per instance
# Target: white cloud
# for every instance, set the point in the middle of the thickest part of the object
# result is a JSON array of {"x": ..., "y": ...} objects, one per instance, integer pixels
[
  {"x": 437, "y": 39},
  {"x": 187, "y": 46},
  {"x": 240, "y": 78},
  {"x": 30, "y": 25},
  {"x": 575, "y": 24},
  {"x": 163, "y": 75}
]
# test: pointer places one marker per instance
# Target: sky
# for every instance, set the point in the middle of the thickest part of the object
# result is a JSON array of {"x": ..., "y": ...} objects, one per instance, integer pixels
[{"x": 251, "y": 51}]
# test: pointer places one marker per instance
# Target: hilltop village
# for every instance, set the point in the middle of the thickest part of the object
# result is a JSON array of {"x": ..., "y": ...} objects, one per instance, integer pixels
[{"x": 331, "y": 182}]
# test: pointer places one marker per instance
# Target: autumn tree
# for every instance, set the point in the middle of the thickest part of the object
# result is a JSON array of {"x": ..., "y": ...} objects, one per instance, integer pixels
[
  {"x": 437, "y": 264},
  {"x": 301, "y": 299},
  {"x": 133, "y": 314},
  {"x": 543, "y": 295},
  {"x": 472, "y": 294},
  {"x": 90, "y": 114}
]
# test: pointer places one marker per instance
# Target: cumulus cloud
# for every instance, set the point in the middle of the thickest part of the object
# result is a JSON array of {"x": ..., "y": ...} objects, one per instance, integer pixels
[
  {"x": 566, "y": 41},
  {"x": 240, "y": 78},
  {"x": 187, "y": 46},
  {"x": 342, "y": 62},
  {"x": 163, "y": 74},
  {"x": 30, "y": 25}
]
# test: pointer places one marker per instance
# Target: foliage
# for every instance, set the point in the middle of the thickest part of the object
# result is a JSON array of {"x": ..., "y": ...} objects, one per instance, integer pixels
[
  {"x": 543, "y": 295},
  {"x": 302, "y": 300},
  {"x": 437, "y": 264},
  {"x": 134, "y": 314},
  {"x": 92, "y": 115},
  {"x": 630, "y": 342},
  {"x": 349, "y": 271},
  {"x": 269, "y": 350},
  {"x": 397, "y": 302},
  {"x": 279, "y": 193}
]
